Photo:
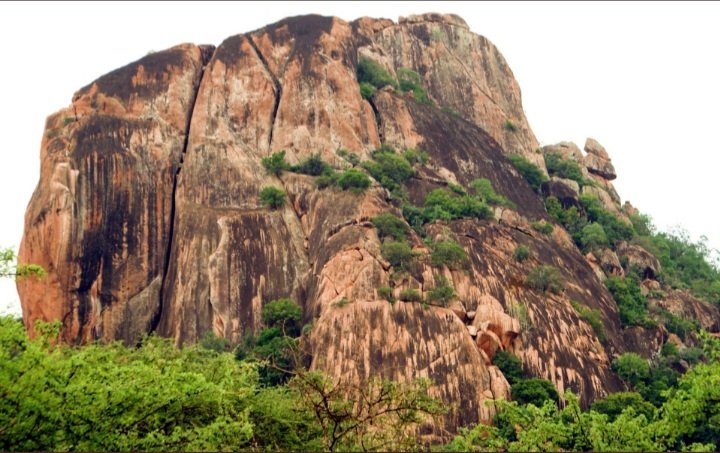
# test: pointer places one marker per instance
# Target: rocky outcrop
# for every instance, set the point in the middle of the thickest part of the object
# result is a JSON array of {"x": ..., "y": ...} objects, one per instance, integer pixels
[
  {"x": 645, "y": 341},
  {"x": 365, "y": 339},
  {"x": 684, "y": 305},
  {"x": 566, "y": 150},
  {"x": 463, "y": 73},
  {"x": 101, "y": 217},
  {"x": 147, "y": 216},
  {"x": 566, "y": 191},
  {"x": 637, "y": 257},
  {"x": 597, "y": 160}
]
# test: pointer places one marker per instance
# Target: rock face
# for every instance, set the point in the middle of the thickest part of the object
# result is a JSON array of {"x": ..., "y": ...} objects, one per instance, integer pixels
[
  {"x": 147, "y": 215},
  {"x": 101, "y": 217},
  {"x": 597, "y": 160}
]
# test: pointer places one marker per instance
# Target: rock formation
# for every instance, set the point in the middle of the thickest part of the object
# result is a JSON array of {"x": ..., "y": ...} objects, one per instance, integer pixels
[{"x": 147, "y": 216}]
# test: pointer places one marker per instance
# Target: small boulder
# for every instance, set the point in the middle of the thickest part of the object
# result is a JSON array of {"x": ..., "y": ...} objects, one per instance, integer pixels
[
  {"x": 636, "y": 256},
  {"x": 629, "y": 209},
  {"x": 599, "y": 166},
  {"x": 489, "y": 343},
  {"x": 565, "y": 190},
  {"x": 593, "y": 147},
  {"x": 609, "y": 263},
  {"x": 595, "y": 266}
]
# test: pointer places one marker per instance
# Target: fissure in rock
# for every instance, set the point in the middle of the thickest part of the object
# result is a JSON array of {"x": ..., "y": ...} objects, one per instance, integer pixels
[
  {"x": 378, "y": 120},
  {"x": 171, "y": 233},
  {"x": 278, "y": 89}
]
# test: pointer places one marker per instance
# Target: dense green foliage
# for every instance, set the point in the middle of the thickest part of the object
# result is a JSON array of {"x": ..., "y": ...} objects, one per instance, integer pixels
[
  {"x": 398, "y": 254},
  {"x": 543, "y": 227},
  {"x": 632, "y": 368},
  {"x": 546, "y": 279},
  {"x": 313, "y": 166},
  {"x": 615, "y": 229},
  {"x": 373, "y": 74},
  {"x": 521, "y": 253},
  {"x": 153, "y": 397},
  {"x": 686, "y": 420},
  {"x": 564, "y": 168},
  {"x": 510, "y": 125},
  {"x": 650, "y": 379},
  {"x": 411, "y": 82},
  {"x": 442, "y": 293},
  {"x": 534, "y": 391},
  {"x": 616, "y": 403},
  {"x": 385, "y": 292},
  {"x": 591, "y": 227},
  {"x": 532, "y": 174},
  {"x": 272, "y": 197},
  {"x": 275, "y": 163},
  {"x": 632, "y": 304},
  {"x": 448, "y": 253},
  {"x": 284, "y": 314},
  {"x": 441, "y": 204},
  {"x": 510, "y": 366},
  {"x": 685, "y": 263},
  {"x": 367, "y": 90},
  {"x": 157, "y": 397},
  {"x": 274, "y": 346},
  {"x": 353, "y": 180},
  {"x": 485, "y": 192},
  {"x": 410, "y": 295},
  {"x": 389, "y": 225},
  {"x": 592, "y": 236},
  {"x": 389, "y": 168}
]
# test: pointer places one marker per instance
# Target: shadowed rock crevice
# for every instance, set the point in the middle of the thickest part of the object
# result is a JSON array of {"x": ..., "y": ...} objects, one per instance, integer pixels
[
  {"x": 207, "y": 53},
  {"x": 278, "y": 88},
  {"x": 378, "y": 119}
]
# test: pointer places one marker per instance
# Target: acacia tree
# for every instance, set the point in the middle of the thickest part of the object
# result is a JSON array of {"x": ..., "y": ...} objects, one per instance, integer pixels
[{"x": 376, "y": 414}]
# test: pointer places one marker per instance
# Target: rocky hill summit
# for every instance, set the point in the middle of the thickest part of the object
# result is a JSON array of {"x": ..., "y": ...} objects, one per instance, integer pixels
[{"x": 470, "y": 239}]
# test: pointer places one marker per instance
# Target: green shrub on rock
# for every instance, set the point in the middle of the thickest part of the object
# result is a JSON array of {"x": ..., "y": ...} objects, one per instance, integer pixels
[
  {"x": 398, "y": 254},
  {"x": 275, "y": 163},
  {"x": 410, "y": 295},
  {"x": 389, "y": 225},
  {"x": 443, "y": 292},
  {"x": 354, "y": 180},
  {"x": 521, "y": 253},
  {"x": 532, "y": 174},
  {"x": 272, "y": 197},
  {"x": 546, "y": 279},
  {"x": 374, "y": 74},
  {"x": 448, "y": 253},
  {"x": 534, "y": 391}
]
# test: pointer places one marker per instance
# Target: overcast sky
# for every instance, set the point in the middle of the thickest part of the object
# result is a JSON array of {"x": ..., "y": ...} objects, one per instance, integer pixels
[{"x": 643, "y": 78}]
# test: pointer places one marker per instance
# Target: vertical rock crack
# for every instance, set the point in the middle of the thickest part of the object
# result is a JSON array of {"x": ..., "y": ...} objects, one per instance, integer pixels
[
  {"x": 205, "y": 59},
  {"x": 278, "y": 89}
]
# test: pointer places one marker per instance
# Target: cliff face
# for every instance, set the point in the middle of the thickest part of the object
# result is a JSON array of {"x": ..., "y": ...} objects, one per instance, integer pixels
[{"x": 147, "y": 216}]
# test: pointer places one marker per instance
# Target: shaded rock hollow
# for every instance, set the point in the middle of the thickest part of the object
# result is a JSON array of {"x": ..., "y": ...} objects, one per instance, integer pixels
[{"x": 147, "y": 214}]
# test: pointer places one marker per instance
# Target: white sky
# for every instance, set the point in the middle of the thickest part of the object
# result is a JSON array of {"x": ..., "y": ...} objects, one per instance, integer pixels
[{"x": 643, "y": 78}]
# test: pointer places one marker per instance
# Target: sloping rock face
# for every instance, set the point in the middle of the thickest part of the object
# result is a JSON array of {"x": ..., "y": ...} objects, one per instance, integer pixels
[
  {"x": 100, "y": 219},
  {"x": 147, "y": 215}
]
